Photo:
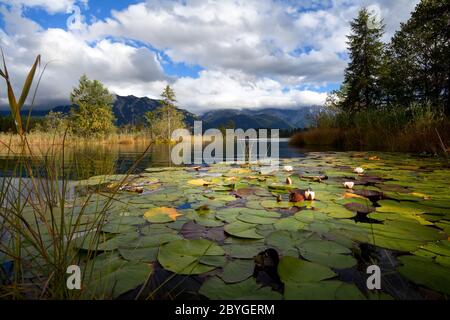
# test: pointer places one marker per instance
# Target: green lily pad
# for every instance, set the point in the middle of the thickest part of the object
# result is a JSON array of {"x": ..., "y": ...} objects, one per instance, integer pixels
[
  {"x": 401, "y": 235},
  {"x": 183, "y": 256},
  {"x": 246, "y": 251},
  {"x": 327, "y": 253},
  {"x": 323, "y": 290},
  {"x": 289, "y": 224},
  {"x": 117, "y": 277},
  {"x": 242, "y": 230},
  {"x": 258, "y": 216},
  {"x": 237, "y": 271},
  {"x": 216, "y": 289},
  {"x": 287, "y": 241},
  {"x": 293, "y": 270},
  {"x": 425, "y": 272}
]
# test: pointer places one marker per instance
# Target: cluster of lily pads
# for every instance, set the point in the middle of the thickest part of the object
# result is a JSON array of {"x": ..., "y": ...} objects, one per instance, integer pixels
[{"x": 236, "y": 229}]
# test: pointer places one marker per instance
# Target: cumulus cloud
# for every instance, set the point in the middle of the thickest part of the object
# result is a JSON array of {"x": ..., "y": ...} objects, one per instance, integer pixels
[
  {"x": 70, "y": 56},
  {"x": 51, "y": 6},
  {"x": 254, "y": 53},
  {"x": 237, "y": 90}
]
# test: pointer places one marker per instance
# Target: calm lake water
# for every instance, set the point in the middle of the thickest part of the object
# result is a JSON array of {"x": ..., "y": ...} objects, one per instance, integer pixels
[{"x": 84, "y": 162}]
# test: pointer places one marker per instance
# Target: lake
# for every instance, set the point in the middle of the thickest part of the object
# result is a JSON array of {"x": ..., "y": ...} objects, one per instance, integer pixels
[
  {"x": 82, "y": 162},
  {"x": 241, "y": 231}
]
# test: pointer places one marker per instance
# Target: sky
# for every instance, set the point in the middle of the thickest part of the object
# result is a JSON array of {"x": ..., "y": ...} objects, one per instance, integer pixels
[{"x": 215, "y": 54}]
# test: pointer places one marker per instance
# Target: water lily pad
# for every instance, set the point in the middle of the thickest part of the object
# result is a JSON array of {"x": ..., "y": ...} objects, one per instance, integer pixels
[
  {"x": 199, "y": 182},
  {"x": 192, "y": 230},
  {"x": 115, "y": 277},
  {"x": 206, "y": 219},
  {"x": 424, "y": 271},
  {"x": 237, "y": 271},
  {"x": 242, "y": 230},
  {"x": 293, "y": 270},
  {"x": 287, "y": 241},
  {"x": 216, "y": 289},
  {"x": 258, "y": 216},
  {"x": 149, "y": 254},
  {"x": 161, "y": 215},
  {"x": 401, "y": 235},
  {"x": 215, "y": 261},
  {"x": 182, "y": 256},
  {"x": 323, "y": 290},
  {"x": 327, "y": 253},
  {"x": 289, "y": 224},
  {"x": 247, "y": 251}
]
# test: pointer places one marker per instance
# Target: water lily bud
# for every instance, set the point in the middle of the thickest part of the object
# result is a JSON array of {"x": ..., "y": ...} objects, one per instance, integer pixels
[
  {"x": 359, "y": 170},
  {"x": 310, "y": 195},
  {"x": 288, "y": 168},
  {"x": 279, "y": 198},
  {"x": 288, "y": 181},
  {"x": 349, "y": 185}
]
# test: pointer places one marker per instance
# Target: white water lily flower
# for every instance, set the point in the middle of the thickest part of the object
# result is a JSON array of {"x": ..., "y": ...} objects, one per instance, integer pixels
[
  {"x": 359, "y": 170},
  {"x": 288, "y": 168},
  {"x": 310, "y": 195},
  {"x": 349, "y": 185}
]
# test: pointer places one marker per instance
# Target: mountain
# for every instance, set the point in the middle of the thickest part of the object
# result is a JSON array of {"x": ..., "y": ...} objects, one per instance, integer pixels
[
  {"x": 131, "y": 110},
  {"x": 127, "y": 110},
  {"x": 270, "y": 118}
]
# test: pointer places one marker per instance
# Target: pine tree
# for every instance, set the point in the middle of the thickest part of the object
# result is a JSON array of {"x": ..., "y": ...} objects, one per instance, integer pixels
[
  {"x": 166, "y": 118},
  {"x": 362, "y": 76},
  {"x": 420, "y": 57}
]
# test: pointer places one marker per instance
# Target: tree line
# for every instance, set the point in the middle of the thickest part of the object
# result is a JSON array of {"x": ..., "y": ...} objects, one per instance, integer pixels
[
  {"x": 395, "y": 95},
  {"x": 91, "y": 114},
  {"x": 412, "y": 69}
]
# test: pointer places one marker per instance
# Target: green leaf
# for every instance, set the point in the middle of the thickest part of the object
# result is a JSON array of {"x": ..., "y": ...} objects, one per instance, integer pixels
[
  {"x": 242, "y": 230},
  {"x": 323, "y": 290},
  {"x": 425, "y": 272},
  {"x": 183, "y": 256},
  {"x": 293, "y": 270},
  {"x": 258, "y": 216},
  {"x": 115, "y": 276},
  {"x": 327, "y": 253},
  {"x": 216, "y": 289},
  {"x": 237, "y": 271}
]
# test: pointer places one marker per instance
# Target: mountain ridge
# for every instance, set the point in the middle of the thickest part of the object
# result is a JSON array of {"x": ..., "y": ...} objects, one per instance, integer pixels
[{"x": 130, "y": 110}]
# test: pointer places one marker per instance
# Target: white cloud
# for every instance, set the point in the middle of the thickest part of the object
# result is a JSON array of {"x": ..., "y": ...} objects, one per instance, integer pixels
[
  {"x": 215, "y": 89},
  {"x": 255, "y": 52},
  {"x": 51, "y": 6},
  {"x": 114, "y": 63}
]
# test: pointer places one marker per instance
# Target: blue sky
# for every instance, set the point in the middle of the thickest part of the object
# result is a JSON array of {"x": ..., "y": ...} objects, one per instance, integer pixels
[{"x": 216, "y": 54}]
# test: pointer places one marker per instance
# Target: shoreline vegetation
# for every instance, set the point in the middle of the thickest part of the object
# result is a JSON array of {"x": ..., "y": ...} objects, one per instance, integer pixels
[
  {"x": 380, "y": 131},
  {"x": 54, "y": 139},
  {"x": 395, "y": 96}
]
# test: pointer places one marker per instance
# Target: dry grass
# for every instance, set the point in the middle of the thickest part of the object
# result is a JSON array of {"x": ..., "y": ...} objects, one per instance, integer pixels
[
  {"x": 420, "y": 135},
  {"x": 45, "y": 139}
]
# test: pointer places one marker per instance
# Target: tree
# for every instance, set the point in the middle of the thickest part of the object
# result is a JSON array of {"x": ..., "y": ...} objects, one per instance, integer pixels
[
  {"x": 167, "y": 118},
  {"x": 92, "y": 111},
  {"x": 362, "y": 76},
  {"x": 55, "y": 121},
  {"x": 420, "y": 57}
]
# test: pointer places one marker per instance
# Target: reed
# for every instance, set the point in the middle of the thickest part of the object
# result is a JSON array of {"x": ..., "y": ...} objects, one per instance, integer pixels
[
  {"x": 41, "y": 218},
  {"x": 420, "y": 129}
]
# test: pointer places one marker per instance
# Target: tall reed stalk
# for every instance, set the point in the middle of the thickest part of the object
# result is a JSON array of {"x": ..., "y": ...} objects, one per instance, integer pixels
[{"x": 40, "y": 220}]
